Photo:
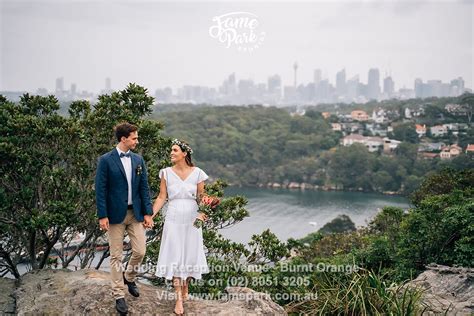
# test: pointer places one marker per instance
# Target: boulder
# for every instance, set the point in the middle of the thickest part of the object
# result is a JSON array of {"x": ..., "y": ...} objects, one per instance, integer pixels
[
  {"x": 446, "y": 290},
  {"x": 88, "y": 292},
  {"x": 7, "y": 300}
]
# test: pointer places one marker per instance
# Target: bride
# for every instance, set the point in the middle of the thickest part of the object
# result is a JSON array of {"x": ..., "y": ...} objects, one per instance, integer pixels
[{"x": 181, "y": 254}]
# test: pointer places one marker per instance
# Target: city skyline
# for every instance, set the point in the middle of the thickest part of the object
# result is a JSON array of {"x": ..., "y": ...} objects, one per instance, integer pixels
[
  {"x": 158, "y": 44},
  {"x": 235, "y": 91},
  {"x": 347, "y": 77}
]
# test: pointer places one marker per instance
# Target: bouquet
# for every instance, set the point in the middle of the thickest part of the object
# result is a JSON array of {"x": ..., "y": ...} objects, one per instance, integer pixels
[{"x": 206, "y": 204}]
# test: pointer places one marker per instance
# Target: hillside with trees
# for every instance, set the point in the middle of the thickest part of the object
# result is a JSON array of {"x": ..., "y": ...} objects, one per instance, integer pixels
[{"x": 258, "y": 146}]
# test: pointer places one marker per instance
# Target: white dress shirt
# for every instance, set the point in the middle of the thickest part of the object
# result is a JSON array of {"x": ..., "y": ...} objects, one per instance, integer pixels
[{"x": 127, "y": 166}]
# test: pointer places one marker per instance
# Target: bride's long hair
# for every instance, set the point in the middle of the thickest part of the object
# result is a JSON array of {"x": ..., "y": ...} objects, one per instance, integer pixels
[{"x": 189, "y": 160}]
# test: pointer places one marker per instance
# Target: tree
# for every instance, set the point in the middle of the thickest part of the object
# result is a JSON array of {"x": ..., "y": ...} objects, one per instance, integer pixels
[
  {"x": 382, "y": 181},
  {"x": 48, "y": 172},
  {"x": 340, "y": 224},
  {"x": 352, "y": 167},
  {"x": 440, "y": 229},
  {"x": 406, "y": 154},
  {"x": 406, "y": 133},
  {"x": 467, "y": 104},
  {"x": 443, "y": 182}
]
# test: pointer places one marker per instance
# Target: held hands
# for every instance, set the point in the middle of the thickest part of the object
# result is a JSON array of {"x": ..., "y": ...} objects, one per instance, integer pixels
[{"x": 148, "y": 221}]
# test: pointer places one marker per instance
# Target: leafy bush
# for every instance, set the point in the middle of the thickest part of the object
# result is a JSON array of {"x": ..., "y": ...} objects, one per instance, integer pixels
[{"x": 359, "y": 293}]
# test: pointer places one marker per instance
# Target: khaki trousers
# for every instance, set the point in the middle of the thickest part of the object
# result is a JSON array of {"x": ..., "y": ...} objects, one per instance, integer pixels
[{"x": 116, "y": 232}]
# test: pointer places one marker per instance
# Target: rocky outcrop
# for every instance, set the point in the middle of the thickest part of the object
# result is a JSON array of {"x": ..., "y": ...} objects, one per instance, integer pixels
[
  {"x": 446, "y": 290},
  {"x": 7, "y": 300},
  {"x": 63, "y": 292}
]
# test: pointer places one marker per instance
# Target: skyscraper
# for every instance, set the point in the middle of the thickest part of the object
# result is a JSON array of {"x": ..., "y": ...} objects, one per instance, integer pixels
[
  {"x": 229, "y": 87},
  {"x": 373, "y": 84},
  {"x": 73, "y": 90},
  {"x": 59, "y": 85},
  {"x": 352, "y": 88},
  {"x": 418, "y": 88},
  {"x": 274, "y": 84},
  {"x": 317, "y": 77},
  {"x": 341, "y": 83},
  {"x": 457, "y": 86},
  {"x": 388, "y": 87}
]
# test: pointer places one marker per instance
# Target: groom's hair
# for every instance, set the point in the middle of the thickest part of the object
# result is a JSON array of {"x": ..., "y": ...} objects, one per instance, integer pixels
[{"x": 124, "y": 130}]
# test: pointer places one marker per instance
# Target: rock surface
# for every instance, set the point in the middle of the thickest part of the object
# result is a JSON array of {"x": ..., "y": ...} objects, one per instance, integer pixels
[
  {"x": 7, "y": 300},
  {"x": 446, "y": 290},
  {"x": 63, "y": 292}
]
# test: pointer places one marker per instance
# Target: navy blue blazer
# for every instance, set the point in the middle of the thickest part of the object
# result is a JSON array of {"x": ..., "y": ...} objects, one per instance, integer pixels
[{"x": 111, "y": 188}]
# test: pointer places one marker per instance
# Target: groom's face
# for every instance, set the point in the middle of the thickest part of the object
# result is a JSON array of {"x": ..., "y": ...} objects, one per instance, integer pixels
[{"x": 131, "y": 141}]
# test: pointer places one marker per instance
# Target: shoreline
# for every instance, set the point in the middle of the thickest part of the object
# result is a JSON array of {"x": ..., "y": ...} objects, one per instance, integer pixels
[{"x": 295, "y": 186}]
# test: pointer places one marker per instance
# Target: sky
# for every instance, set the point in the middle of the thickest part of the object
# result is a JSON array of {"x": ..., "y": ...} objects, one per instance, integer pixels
[{"x": 163, "y": 43}]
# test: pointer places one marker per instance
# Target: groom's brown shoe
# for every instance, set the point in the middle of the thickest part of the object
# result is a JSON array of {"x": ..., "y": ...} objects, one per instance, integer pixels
[
  {"x": 121, "y": 306},
  {"x": 132, "y": 287}
]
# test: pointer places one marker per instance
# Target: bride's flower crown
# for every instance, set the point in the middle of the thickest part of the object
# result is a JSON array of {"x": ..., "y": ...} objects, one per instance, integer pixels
[{"x": 182, "y": 145}]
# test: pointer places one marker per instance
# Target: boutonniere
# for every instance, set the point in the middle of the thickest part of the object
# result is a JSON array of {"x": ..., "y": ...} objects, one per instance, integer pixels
[{"x": 139, "y": 170}]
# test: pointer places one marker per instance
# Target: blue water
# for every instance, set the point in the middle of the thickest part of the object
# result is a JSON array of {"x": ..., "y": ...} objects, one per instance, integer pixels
[{"x": 294, "y": 213}]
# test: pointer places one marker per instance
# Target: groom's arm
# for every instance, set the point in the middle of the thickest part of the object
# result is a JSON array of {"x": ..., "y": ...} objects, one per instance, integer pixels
[
  {"x": 101, "y": 188},
  {"x": 145, "y": 191}
]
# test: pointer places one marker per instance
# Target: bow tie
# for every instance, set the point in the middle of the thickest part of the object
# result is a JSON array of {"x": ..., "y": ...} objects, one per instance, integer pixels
[{"x": 125, "y": 155}]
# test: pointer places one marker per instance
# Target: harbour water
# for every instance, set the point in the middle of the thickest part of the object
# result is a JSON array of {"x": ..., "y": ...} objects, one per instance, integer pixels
[{"x": 295, "y": 213}]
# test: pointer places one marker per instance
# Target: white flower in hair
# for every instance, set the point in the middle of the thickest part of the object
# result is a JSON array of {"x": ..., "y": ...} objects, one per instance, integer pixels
[{"x": 182, "y": 145}]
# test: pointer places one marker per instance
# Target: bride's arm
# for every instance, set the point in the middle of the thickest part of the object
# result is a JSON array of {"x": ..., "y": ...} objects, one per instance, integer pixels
[
  {"x": 200, "y": 190},
  {"x": 201, "y": 193},
  {"x": 161, "y": 199}
]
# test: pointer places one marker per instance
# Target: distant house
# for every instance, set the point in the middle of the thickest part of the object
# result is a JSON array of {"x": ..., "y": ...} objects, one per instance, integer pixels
[
  {"x": 351, "y": 127},
  {"x": 326, "y": 114},
  {"x": 429, "y": 155},
  {"x": 379, "y": 116},
  {"x": 449, "y": 152},
  {"x": 352, "y": 139},
  {"x": 420, "y": 130},
  {"x": 336, "y": 127},
  {"x": 470, "y": 149},
  {"x": 418, "y": 112},
  {"x": 380, "y": 132},
  {"x": 359, "y": 115},
  {"x": 390, "y": 145},
  {"x": 376, "y": 129},
  {"x": 438, "y": 130},
  {"x": 452, "y": 127},
  {"x": 431, "y": 147},
  {"x": 455, "y": 109},
  {"x": 451, "y": 108},
  {"x": 372, "y": 143},
  {"x": 407, "y": 113}
]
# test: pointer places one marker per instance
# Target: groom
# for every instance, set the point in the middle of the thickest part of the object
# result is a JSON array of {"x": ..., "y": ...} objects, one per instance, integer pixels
[{"x": 123, "y": 204}]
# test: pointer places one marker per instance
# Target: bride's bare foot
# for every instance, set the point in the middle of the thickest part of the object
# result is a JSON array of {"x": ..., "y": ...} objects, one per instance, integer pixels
[
  {"x": 185, "y": 293},
  {"x": 178, "y": 308}
]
